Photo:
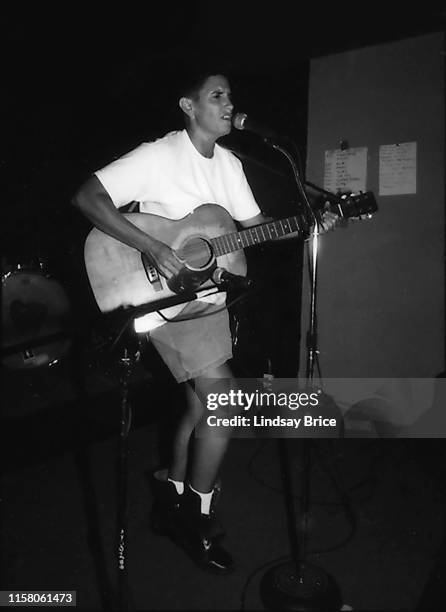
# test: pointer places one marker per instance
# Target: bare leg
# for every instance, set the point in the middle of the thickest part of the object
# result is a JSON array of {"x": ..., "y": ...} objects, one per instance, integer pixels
[
  {"x": 209, "y": 449},
  {"x": 181, "y": 442},
  {"x": 201, "y": 459}
]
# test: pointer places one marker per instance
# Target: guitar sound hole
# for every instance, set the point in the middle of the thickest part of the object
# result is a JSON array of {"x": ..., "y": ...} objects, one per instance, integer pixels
[{"x": 197, "y": 253}]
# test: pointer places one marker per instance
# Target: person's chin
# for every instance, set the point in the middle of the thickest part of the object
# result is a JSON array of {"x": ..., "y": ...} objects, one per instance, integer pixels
[{"x": 226, "y": 129}]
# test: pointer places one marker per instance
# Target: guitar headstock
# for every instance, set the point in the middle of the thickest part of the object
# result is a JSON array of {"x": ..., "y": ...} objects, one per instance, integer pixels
[
  {"x": 339, "y": 209},
  {"x": 355, "y": 205}
]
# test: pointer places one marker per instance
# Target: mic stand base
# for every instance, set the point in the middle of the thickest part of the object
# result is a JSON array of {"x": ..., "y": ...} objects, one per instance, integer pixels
[{"x": 301, "y": 587}]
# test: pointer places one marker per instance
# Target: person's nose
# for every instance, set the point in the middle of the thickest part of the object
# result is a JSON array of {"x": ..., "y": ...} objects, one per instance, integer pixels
[{"x": 229, "y": 105}]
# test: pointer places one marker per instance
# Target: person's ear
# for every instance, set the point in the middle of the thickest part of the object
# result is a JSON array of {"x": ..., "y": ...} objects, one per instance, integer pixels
[{"x": 186, "y": 106}]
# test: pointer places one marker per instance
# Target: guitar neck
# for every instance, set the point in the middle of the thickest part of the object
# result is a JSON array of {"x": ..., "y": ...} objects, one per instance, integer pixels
[
  {"x": 343, "y": 206},
  {"x": 228, "y": 243}
]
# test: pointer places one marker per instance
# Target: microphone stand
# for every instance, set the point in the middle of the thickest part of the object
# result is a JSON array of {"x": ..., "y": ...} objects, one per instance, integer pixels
[
  {"x": 298, "y": 585},
  {"x": 121, "y": 319}
]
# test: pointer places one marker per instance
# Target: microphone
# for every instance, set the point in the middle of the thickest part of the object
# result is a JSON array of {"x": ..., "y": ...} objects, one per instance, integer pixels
[
  {"x": 220, "y": 276},
  {"x": 241, "y": 121}
]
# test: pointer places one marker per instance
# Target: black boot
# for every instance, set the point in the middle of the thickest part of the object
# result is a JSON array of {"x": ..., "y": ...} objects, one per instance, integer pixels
[
  {"x": 201, "y": 534},
  {"x": 164, "y": 518}
]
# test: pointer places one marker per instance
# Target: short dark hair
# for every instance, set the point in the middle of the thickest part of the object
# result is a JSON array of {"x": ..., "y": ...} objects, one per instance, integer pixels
[{"x": 193, "y": 77}]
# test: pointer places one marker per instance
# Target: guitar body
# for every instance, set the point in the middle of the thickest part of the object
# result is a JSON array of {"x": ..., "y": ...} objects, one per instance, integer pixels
[{"x": 120, "y": 276}]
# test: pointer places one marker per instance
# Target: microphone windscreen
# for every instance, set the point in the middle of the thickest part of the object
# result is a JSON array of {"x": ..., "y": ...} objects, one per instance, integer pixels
[{"x": 238, "y": 121}]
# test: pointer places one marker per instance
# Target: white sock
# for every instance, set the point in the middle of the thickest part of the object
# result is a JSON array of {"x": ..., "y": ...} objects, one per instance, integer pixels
[
  {"x": 205, "y": 500},
  {"x": 179, "y": 486}
]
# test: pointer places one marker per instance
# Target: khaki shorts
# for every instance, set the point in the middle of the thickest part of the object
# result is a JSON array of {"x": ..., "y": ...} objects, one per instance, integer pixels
[{"x": 188, "y": 348}]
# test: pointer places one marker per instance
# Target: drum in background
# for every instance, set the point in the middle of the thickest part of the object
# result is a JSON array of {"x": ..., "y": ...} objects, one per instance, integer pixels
[
  {"x": 13, "y": 263},
  {"x": 34, "y": 307}
]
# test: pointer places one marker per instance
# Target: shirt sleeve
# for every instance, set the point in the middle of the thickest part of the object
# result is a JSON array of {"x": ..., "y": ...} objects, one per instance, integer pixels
[
  {"x": 245, "y": 205},
  {"x": 126, "y": 178}
]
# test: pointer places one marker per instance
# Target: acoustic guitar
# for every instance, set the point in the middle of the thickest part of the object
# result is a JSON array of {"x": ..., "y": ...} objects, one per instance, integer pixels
[{"x": 205, "y": 239}]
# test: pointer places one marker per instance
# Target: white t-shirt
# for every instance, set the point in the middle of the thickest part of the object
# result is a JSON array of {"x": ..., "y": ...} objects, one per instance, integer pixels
[{"x": 169, "y": 177}]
